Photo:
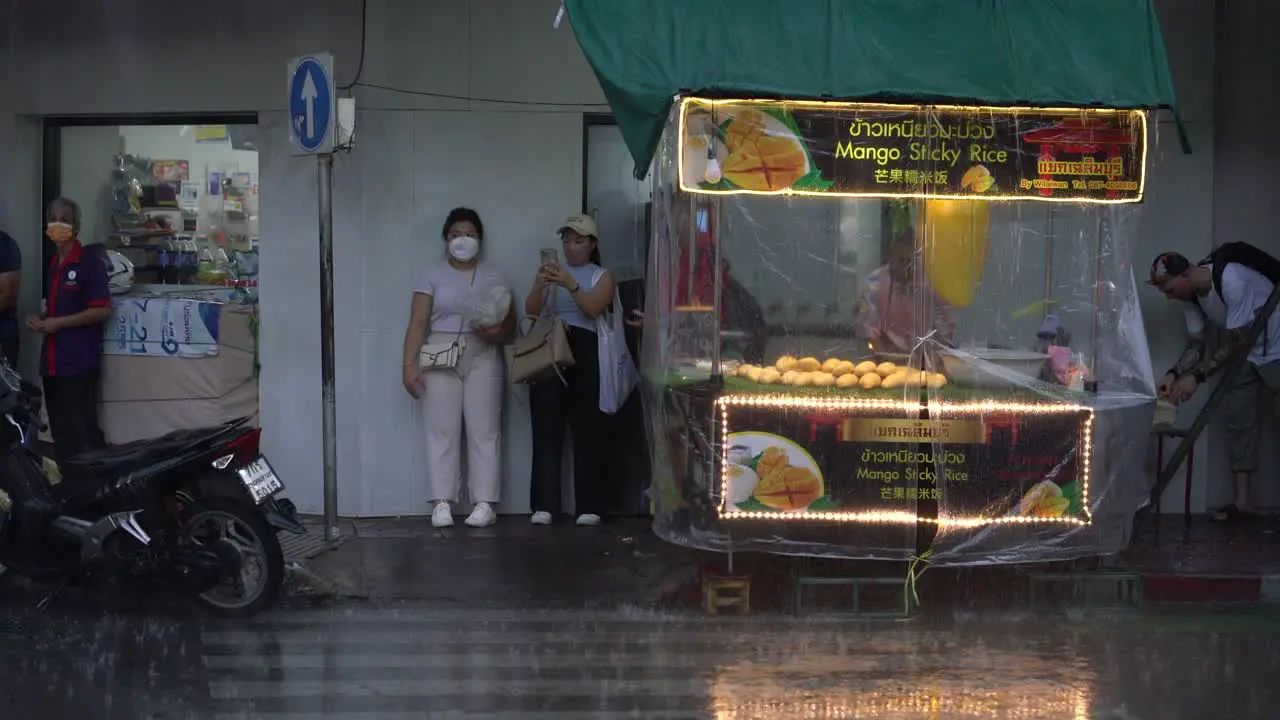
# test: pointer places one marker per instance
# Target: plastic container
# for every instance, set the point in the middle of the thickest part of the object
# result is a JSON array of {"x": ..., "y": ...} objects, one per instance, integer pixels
[{"x": 989, "y": 368}]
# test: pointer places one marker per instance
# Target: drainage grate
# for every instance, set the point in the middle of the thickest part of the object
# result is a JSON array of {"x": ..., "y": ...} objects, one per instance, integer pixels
[
  {"x": 307, "y": 546},
  {"x": 1087, "y": 589}
]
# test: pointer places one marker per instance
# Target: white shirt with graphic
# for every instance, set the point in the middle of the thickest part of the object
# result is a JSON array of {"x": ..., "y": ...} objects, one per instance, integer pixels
[{"x": 1244, "y": 292}]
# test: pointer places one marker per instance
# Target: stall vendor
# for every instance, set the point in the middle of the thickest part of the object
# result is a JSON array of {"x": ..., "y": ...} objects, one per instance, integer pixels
[
  {"x": 76, "y": 304},
  {"x": 893, "y": 311}
]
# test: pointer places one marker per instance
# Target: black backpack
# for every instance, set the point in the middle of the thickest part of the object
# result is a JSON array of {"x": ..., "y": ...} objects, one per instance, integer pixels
[{"x": 1260, "y": 261}]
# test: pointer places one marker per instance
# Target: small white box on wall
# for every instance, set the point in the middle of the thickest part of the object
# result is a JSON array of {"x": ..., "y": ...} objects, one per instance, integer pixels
[{"x": 346, "y": 120}]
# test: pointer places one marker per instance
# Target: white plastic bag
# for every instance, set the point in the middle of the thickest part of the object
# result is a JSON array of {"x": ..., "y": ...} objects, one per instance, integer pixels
[
  {"x": 488, "y": 307},
  {"x": 618, "y": 374}
]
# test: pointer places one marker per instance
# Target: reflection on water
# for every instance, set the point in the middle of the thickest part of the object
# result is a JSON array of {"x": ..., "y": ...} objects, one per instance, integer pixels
[
  {"x": 410, "y": 662},
  {"x": 897, "y": 681},
  {"x": 912, "y": 704}
]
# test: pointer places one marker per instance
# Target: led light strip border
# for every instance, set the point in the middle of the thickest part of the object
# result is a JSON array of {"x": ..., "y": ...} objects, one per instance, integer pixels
[
  {"x": 1140, "y": 116},
  {"x": 940, "y": 409}
]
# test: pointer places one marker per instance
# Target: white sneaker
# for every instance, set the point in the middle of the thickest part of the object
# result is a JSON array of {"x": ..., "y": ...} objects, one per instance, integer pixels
[
  {"x": 442, "y": 515},
  {"x": 541, "y": 518},
  {"x": 589, "y": 519},
  {"x": 482, "y": 516}
]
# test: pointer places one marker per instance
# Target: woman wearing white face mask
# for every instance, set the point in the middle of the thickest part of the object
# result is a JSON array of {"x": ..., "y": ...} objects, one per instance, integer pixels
[{"x": 470, "y": 393}]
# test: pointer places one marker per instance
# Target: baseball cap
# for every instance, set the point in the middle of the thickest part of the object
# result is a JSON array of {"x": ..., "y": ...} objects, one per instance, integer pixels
[
  {"x": 581, "y": 224},
  {"x": 1167, "y": 265}
]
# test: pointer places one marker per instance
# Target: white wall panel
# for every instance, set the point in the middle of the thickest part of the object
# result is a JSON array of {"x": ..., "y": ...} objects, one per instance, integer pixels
[
  {"x": 289, "y": 335},
  {"x": 522, "y": 173},
  {"x": 392, "y": 458}
]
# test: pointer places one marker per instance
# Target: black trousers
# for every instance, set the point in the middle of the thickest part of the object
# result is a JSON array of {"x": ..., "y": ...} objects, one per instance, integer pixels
[
  {"x": 574, "y": 405},
  {"x": 72, "y": 404}
]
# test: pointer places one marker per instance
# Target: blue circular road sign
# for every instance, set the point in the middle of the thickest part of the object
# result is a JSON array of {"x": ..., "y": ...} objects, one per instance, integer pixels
[{"x": 310, "y": 104}]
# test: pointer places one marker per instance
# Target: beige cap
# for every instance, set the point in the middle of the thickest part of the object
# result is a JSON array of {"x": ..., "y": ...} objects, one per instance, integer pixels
[{"x": 581, "y": 224}]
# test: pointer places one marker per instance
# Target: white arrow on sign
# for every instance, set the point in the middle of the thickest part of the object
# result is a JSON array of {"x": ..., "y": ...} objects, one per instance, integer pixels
[{"x": 309, "y": 96}]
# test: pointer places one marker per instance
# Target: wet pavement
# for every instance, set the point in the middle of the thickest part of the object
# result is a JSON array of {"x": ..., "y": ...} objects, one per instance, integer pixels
[
  {"x": 624, "y": 564},
  {"x": 414, "y": 660},
  {"x": 514, "y": 622}
]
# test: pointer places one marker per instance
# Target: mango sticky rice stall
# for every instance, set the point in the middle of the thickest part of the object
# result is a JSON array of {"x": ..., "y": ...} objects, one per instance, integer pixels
[{"x": 947, "y": 354}]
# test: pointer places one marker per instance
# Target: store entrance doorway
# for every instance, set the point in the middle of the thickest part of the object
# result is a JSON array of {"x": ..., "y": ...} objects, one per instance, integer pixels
[{"x": 176, "y": 200}]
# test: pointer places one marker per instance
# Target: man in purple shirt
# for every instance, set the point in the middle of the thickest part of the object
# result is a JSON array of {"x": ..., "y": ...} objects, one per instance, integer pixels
[{"x": 76, "y": 304}]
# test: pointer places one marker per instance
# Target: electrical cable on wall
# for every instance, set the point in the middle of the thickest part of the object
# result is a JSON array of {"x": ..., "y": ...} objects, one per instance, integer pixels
[
  {"x": 468, "y": 98},
  {"x": 356, "y": 81},
  {"x": 364, "y": 42}
]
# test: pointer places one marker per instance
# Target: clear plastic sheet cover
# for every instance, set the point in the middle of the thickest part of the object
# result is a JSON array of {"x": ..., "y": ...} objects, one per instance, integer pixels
[{"x": 1012, "y": 423}]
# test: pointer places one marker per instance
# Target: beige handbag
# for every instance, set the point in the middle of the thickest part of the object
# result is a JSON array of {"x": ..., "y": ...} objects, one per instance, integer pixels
[{"x": 542, "y": 352}]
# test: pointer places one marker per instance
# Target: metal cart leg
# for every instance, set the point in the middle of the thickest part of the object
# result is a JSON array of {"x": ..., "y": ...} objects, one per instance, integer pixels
[
  {"x": 1159, "y": 466},
  {"x": 1186, "y": 507}
]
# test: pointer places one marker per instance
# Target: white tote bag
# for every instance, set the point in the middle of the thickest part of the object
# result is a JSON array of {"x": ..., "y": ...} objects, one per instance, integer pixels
[{"x": 618, "y": 374}]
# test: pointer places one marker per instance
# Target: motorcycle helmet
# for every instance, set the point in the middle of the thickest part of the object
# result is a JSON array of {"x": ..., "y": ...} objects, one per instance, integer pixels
[{"x": 119, "y": 273}]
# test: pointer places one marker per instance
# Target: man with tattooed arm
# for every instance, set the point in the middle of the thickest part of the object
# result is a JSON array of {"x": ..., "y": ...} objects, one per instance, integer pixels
[{"x": 1229, "y": 296}]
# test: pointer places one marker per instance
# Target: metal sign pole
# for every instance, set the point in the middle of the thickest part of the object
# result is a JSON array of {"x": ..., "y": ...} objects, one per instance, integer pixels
[{"x": 326, "y": 348}]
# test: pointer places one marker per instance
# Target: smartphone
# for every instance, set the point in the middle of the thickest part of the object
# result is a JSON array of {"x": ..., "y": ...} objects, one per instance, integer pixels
[{"x": 550, "y": 256}]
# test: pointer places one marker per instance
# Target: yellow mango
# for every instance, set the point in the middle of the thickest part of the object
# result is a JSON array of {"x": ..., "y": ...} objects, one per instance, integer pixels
[
  {"x": 808, "y": 365},
  {"x": 953, "y": 241},
  {"x": 849, "y": 380}
]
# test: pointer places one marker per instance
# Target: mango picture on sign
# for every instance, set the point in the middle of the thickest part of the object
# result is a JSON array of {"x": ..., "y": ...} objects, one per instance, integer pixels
[
  {"x": 764, "y": 154},
  {"x": 771, "y": 473},
  {"x": 977, "y": 179}
]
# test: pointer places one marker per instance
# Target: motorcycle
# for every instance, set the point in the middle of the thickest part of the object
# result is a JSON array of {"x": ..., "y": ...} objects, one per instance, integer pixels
[{"x": 196, "y": 511}]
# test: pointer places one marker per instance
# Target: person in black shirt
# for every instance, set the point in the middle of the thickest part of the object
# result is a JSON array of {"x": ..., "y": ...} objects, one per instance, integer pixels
[{"x": 10, "y": 285}]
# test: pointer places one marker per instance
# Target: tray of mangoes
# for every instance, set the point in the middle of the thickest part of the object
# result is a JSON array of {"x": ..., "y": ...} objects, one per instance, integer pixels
[{"x": 837, "y": 373}]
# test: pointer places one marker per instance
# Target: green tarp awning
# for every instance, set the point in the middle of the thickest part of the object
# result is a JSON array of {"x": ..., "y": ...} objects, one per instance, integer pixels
[{"x": 1107, "y": 53}]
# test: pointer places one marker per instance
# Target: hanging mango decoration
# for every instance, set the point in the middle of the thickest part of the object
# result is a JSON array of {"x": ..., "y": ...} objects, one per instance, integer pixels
[{"x": 952, "y": 238}]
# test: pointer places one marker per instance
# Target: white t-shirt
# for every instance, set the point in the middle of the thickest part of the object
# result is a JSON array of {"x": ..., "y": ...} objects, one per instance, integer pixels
[
  {"x": 454, "y": 295},
  {"x": 1244, "y": 292}
]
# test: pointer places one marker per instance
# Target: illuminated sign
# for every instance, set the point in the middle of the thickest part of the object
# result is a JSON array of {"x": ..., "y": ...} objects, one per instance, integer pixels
[
  {"x": 874, "y": 150},
  {"x": 813, "y": 458}
]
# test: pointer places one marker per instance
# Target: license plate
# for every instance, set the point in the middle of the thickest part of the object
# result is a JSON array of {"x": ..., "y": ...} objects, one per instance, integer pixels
[{"x": 260, "y": 480}]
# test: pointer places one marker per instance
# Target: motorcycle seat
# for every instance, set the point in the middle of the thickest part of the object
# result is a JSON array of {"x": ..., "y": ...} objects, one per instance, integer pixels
[{"x": 119, "y": 459}]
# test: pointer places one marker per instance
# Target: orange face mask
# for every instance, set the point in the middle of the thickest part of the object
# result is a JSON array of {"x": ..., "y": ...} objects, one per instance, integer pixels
[{"x": 59, "y": 232}]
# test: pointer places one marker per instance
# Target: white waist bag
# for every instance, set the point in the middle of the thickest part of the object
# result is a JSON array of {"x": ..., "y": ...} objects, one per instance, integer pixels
[{"x": 442, "y": 356}]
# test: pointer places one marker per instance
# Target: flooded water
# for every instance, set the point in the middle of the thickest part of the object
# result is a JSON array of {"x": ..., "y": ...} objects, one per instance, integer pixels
[{"x": 414, "y": 662}]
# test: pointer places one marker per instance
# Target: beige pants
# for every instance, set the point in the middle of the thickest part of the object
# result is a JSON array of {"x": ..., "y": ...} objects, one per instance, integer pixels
[{"x": 470, "y": 394}]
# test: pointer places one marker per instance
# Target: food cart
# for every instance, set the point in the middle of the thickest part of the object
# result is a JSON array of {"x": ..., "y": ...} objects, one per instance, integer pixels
[{"x": 948, "y": 356}]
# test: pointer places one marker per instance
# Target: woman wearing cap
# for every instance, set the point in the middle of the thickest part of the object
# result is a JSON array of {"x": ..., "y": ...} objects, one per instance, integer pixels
[
  {"x": 469, "y": 393},
  {"x": 577, "y": 293}
]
